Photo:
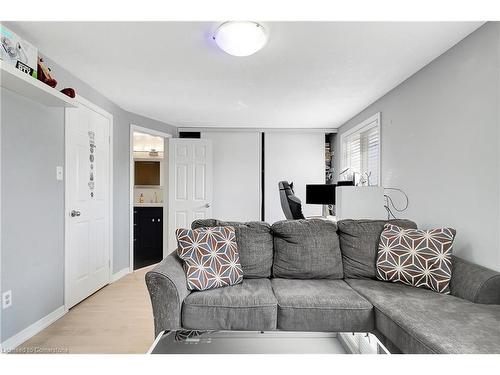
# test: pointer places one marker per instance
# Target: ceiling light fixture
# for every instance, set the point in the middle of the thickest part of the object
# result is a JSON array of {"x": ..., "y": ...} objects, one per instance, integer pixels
[{"x": 240, "y": 38}]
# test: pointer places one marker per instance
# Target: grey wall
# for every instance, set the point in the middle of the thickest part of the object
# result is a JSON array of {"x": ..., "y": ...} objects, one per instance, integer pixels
[
  {"x": 440, "y": 143},
  {"x": 32, "y": 210},
  {"x": 32, "y": 145}
]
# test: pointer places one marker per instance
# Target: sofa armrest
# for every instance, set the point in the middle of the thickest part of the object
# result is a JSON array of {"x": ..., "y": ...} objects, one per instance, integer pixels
[
  {"x": 167, "y": 287},
  {"x": 475, "y": 283}
]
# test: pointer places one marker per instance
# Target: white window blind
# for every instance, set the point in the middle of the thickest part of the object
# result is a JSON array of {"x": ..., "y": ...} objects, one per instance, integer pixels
[{"x": 361, "y": 150}]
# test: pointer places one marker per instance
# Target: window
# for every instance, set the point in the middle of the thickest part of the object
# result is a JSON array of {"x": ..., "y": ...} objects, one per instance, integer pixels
[{"x": 360, "y": 151}]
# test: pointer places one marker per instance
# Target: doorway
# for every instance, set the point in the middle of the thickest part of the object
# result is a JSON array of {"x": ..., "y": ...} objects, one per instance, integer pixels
[
  {"x": 148, "y": 196},
  {"x": 88, "y": 200}
]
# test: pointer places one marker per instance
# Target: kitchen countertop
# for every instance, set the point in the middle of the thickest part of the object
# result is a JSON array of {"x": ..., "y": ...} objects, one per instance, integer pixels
[{"x": 148, "y": 204}]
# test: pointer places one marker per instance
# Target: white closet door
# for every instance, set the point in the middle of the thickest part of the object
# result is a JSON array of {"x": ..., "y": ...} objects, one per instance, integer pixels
[
  {"x": 297, "y": 158},
  {"x": 237, "y": 171}
]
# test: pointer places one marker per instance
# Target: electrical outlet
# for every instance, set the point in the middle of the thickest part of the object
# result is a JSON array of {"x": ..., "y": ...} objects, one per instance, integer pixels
[
  {"x": 7, "y": 299},
  {"x": 59, "y": 173}
]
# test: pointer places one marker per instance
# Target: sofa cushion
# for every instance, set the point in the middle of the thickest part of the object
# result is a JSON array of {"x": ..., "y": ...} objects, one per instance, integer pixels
[
  {"x": 306, "y": 249},
  {"x": 250, "y": 305},
  {"x": 210, "y": 257},
  {"x": 255, "y": 245},
  {"x": 422, "y": 321},
  {"x": 359, "y": 243},
  {"x": 420, "y": 258},
  {"x": 321, "y": 305}
]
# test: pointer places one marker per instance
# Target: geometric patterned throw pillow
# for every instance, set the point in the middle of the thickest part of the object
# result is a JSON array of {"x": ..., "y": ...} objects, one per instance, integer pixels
[
  {"x": 210, "y": 257},
  {"x": 420, "y": 258}
]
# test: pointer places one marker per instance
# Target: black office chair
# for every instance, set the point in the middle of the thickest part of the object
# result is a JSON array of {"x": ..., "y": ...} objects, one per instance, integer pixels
[{"x": 291, "y": 205}]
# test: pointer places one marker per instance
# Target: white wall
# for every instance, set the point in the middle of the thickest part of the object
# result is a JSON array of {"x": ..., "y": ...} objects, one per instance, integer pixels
[
  {"x": 297, "y": 158},
  {"x": 440, "y": 143},
  {"x": 236, "y": 177}
]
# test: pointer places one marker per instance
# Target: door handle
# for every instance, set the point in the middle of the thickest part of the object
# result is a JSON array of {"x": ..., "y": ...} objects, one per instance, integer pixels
[
  {"x": 75, "y": 213},
  {"x": 207, "y": 205}
]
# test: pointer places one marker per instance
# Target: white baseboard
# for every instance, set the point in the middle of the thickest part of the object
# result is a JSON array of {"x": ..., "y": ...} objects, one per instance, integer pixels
[
  {"x": 118, "y": 275},
  {"x": 27, "y": 333}
]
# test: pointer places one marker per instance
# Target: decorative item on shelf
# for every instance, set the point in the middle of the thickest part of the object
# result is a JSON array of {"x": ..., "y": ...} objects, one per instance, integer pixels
[
  {"x": 69, "y": 92},
  {"x": 44, "y": 74},
  {"x": 364, "y": 179},
  {"x": 141, "y": 198},
  {"x": 153, "y": 153},
  {"x": 17, "y": 52}
]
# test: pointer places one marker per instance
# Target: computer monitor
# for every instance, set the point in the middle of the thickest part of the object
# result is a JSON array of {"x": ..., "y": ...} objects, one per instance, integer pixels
[{"x": 320, "y": 194}]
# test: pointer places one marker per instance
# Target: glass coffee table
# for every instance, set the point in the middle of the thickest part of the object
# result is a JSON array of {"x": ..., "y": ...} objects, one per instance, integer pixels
[{"x": 269, "y": 342}]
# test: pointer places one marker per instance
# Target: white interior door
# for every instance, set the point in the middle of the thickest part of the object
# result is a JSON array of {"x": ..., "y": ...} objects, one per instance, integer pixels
[
  {"x": 87, "y": 202},
  {"x": 190, "y": 183}
]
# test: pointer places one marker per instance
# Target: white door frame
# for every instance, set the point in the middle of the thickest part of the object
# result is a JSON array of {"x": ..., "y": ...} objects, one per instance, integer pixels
[
  {"x": 142, "y": 129},
  {"x": 108, "y": 115}
]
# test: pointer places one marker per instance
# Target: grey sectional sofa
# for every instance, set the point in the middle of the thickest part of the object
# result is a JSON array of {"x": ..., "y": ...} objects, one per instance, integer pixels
[{"x": 316, "y": 275}]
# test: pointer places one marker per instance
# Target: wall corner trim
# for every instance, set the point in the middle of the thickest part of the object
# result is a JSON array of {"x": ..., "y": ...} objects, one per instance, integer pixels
[
  {"x": 118, "y": 275},
  {"x": 27, "y": 333}
]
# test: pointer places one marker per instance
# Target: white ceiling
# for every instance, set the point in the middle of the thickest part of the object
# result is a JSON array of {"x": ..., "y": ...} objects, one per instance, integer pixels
[{"x": 309, "y": 75}]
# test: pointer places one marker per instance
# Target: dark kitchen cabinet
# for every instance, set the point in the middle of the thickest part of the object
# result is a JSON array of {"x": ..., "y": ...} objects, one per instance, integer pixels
[{"x": 148, "y": 236}]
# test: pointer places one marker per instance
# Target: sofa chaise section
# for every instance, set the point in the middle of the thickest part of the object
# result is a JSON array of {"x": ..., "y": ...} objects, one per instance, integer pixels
[{"x": 422, "y": 321}]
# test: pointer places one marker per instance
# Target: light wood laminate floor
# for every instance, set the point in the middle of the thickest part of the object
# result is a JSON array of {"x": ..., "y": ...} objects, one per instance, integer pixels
[{"x": 116, "y": 319}]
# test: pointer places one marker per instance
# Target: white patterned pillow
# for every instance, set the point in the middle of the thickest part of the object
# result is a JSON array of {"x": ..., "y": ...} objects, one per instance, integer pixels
[
  {"x": 420, "y": 258},
  {"x": 210, "y": 256}
]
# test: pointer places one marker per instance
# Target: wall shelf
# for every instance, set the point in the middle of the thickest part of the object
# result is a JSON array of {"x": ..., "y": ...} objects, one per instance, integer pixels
[{"x": 23, "y": 84}]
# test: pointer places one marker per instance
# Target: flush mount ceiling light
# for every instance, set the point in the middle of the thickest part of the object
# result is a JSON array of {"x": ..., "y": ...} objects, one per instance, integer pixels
[{"x": 240, "y": 38}]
